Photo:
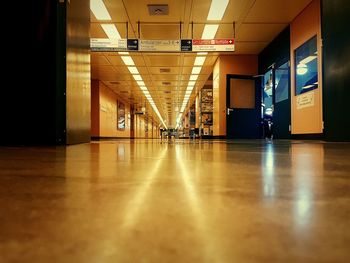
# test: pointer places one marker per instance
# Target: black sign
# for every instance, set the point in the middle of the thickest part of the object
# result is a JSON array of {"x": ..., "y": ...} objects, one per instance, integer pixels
[
  {"x": 186, "y": 44},
  {"x": 133, "y": 44}
]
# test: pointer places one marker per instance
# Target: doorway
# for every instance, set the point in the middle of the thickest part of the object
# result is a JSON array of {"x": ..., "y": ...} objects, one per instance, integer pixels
[
  {"x": 242, "y": 107},
  {"x": 275, "y": 101}
]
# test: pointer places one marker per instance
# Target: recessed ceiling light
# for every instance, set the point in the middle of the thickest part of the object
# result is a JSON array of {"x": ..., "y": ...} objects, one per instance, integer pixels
[
  {"x": 125, "y": 53},
  {"x": 217, "y": 9},
  {"x": 191, "y": 83},
  {"x": 99, "y": 10},
  {"x": 194, "y": 77},
  {"x": 133, "y": 70},
  {"x": 200, "y": 53},
  {"x": 137, "y": 77},
  {"x": 196, "y": 70},
  {"x": 111, "y": 31},
  {"x": 199, "y": 61},
  {"x": 209, "y": 31},
  {"x": 128, "y": 60},
  {"x": 140, "y": 83}
]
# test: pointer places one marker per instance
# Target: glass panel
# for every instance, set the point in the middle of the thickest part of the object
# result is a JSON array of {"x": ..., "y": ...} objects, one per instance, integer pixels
[
  {"x": 282, "y": 82},
  {"x": 267, "y": 93},
  {"x": 242, "y": 93},
  {"x": 306, "y": 67}
]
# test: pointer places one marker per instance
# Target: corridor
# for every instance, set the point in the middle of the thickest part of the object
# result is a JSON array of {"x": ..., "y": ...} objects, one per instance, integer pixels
[{"x": 176, "y": 201}]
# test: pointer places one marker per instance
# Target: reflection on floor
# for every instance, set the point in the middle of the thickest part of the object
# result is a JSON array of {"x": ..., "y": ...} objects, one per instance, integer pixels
[{"x": 152, "y": 201}]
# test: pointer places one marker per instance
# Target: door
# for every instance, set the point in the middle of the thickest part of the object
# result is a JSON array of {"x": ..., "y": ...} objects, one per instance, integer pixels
[
  {"x": 281, "y": 113},
  {"x": 242, "y": 107}
]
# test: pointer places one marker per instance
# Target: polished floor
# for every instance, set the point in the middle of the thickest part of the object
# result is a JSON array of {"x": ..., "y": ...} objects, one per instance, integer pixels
[{"x": 178, "y": 201}]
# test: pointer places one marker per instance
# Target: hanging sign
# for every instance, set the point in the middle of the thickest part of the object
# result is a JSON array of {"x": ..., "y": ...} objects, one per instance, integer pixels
[
  {"x": 159, "y": 45},
  {"x": 106, "y": 44},
  {"x": 199, "y": 45},
  {"x": 186, "y": 44}
]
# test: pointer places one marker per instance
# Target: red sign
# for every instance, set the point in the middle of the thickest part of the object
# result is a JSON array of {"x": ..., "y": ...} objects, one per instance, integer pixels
[
  {"x": 213, "y": 41},
  {"x": 226, "y": 45}
]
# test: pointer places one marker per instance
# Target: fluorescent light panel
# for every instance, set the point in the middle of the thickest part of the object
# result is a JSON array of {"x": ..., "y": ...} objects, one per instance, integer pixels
[
  {"x": 99, "y": 10},
  {"x": 133, "y": 70},
  {"x": 111, "y": 31},
  {"x": 202, "y": 53},
  {"x": 209, "y": 31},
  {"x": 194, "y": 77},
  {"x": 128, "y": 60},
  {"x": 137, "y": 77},
  {"x": 199, "y": 61},
  {"x": 217, "y": 9},
  {"x": 140, "y": 83},
  {"x": 196, "y": 70}
]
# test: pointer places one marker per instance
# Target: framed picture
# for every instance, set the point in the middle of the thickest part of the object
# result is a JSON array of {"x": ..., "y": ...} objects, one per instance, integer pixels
[
  {"x": 120, "y": 115},
  {"x": 306, "y": 67},
  {"x": 207, "y": 95}
]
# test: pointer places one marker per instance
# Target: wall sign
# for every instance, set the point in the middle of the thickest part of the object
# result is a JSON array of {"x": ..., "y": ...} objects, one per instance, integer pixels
[
  {"x": 106, "y": 44},
  {"x": 305, "y": 100}
]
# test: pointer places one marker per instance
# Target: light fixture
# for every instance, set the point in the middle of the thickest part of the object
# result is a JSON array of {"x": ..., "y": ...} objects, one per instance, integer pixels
[
  {"x": 99, "y": 10},
  {"x": 217, "y": 9},
  {"x": 199, "y": 61},
  {"x": 307, "y": 59},
  {"x": 137, "y": 77},
  {"x": 191, "y": 83},
  {"x": 196, "y": 70},
  {"x": 194, "y": 77},
  {"x": 202, "y": 53},
  {"x": 133, "y": 70},
  {"x": 301, "y": 69},
  {"x": 128, "y": 60},
  {"x": 123, "y": 53},
  {"x": 140, "y": 83},
  {"x": 111, "y": 31},
  {"x": 209, "y": 31}
]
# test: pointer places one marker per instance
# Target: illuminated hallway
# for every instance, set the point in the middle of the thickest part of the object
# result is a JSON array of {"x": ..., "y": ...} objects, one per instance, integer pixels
[{"x": 183, "y": 201}]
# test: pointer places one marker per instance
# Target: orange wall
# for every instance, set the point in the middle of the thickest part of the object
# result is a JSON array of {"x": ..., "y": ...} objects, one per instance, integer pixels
[
  {"x": 104, "y": 113},
  {"x": 236, "y": 64},
  {"x": 95, "y": 108},
  {"x": 305, "y": 26}
]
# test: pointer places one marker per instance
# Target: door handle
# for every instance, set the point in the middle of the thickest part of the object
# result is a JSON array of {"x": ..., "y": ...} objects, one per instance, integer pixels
[{"x": 228, "y": 111}]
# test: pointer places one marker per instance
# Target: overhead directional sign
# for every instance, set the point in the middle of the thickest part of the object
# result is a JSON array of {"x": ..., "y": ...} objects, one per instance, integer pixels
[
  {"x": 133, "y": 44},
  {"x": 106, "y": 44},
  {"x": 186, "y": 44},
  {"x": 199, "y": 45},
  {"x": 159, "y": 45},
  {"x": 183, "y": 45}
]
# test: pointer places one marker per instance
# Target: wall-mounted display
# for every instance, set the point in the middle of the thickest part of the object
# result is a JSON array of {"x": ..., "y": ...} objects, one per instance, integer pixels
[
  {"x": 206, "y": 111},
  {"x": 120, "y": 115},
  {"x": 306, "y": 70}
]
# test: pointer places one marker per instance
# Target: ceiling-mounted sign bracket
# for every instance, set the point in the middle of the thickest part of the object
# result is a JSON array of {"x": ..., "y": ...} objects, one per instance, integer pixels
[
  {"x": 139, "y": 29},
  {"x": 127, "y": 29},
  {"x": 234, "y": 29}
]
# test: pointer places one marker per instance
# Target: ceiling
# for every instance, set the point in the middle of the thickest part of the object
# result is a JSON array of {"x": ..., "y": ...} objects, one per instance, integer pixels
[{"x": 166, "y": 75}]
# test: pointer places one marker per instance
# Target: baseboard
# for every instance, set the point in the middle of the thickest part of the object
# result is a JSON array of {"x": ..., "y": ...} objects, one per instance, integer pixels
[{"x": 309, "y": 136}]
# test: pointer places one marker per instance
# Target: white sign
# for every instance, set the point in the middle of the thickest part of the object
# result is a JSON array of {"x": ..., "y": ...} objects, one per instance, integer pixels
[
  {"x": 106, "y": 44},
  {"x": 306, "y": 100},
  {"x": 199, "y": 45},
  {"x": 160, "y": 45}
]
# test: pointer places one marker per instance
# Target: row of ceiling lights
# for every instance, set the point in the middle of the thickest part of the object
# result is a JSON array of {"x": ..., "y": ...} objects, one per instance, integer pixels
[
  {"x": 100, "y": 11},
  {"x": 216, "y": 12}
]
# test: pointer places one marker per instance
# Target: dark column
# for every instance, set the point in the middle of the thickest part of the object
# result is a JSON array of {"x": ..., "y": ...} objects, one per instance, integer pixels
[
  {"x": 336, "y": 69},
  {"x": 33, "y": 104}
]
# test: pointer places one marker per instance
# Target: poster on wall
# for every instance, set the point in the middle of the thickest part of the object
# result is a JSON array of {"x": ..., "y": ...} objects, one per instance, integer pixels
[{"x": 121, "y": 115}]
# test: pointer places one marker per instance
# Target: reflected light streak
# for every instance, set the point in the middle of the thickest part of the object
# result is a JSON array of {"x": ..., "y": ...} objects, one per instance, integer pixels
[
  {"x": 133, "y": 207},
  {"x": 268, "y": 171},
  {"x": 197, "y": 210}
]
